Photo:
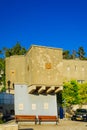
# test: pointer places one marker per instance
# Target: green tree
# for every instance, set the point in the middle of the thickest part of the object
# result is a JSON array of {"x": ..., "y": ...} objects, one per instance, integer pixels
[
  {"x": 2, "y": 71},
  {"x": 70, "y": 93},
  {"x": 73, "y": 56},
  {"x": 83, "y": 93},
  {"x": 16, "y": 50},
  {"x": 81, "y": 53},
  {"x": 66, "y": 54}
]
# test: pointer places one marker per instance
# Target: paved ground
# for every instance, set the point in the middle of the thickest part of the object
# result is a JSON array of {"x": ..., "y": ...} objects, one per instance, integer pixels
[{"x": 63, "y": 125}]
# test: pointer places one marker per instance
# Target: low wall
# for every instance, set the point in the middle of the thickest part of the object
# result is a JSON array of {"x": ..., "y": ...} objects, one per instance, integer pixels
[
  {"x": 8, "y": 127},
  {"x": 74, "y": 107}
]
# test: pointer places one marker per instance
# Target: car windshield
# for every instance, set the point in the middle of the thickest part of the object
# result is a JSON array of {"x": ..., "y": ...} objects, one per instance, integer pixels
[{"x": 81, "y": 110}]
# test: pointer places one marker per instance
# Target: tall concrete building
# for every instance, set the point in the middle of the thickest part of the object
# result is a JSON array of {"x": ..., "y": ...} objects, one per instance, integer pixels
[{"x": 38, "y": 76}]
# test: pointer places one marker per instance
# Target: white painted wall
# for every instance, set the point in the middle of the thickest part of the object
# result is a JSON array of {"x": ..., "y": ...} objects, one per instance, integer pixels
[{"x": 29, "y": 104}]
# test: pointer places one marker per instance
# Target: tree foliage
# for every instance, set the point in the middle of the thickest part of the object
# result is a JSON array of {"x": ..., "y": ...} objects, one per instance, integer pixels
[
  {"x": 83, "y": 93},
  {"x": 70, "y": 93},
  {"x": 81, "y": 53},
  {"x": 2, "y": 70},
  {"x": 74, "y": 93},
  {"x": 66, "y": 54},
  {"x": 16, "y": 50}
]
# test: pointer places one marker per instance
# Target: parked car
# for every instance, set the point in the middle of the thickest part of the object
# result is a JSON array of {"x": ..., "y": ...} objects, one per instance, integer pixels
[{"x": 80, "y": 115}]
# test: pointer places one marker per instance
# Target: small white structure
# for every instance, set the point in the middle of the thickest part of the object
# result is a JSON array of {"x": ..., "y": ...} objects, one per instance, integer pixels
[{"x": 34, "y": 104}]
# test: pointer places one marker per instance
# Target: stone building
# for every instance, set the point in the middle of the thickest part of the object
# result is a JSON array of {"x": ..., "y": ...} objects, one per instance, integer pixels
[
  {"x": 40, "y": 69},
  {"x": 38, "y": 76}
]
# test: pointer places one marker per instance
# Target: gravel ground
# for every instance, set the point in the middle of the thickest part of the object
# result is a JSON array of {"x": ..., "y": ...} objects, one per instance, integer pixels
[{"x": 63, "y": 125}]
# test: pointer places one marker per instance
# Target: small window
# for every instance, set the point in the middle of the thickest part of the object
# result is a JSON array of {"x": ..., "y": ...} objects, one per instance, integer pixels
[
  {"x": 68, "y": 68},
  {"x": 75, "y": 67},
  {"x": 48, "y": 65},
  {"x": 45, "y": 105},
  {"x": 81, "y": 81},
  {"x": 28, "y": 67},
  {"x": 82, "y": 68}
]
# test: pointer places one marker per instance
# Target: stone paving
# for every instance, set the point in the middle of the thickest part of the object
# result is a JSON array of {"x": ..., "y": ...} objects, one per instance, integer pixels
[{"x": 63, "y": 125}]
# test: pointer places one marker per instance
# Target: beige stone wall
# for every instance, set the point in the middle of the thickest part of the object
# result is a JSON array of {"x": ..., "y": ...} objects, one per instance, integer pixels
[
  {"x": 28, "y": 67},
  {"x": 15, "y": 69},
  {"x": 74, "y": 69},
  {"x": 45, "y": 66}
]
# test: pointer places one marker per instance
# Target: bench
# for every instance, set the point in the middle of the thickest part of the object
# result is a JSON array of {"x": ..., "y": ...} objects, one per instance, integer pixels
[
  {"x": 45, "y": 118},
  {"x": 23, "y": 118}
]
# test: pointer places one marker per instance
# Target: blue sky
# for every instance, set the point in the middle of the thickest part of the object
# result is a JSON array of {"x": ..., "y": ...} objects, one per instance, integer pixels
[{"x": 53, "y": 23}]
